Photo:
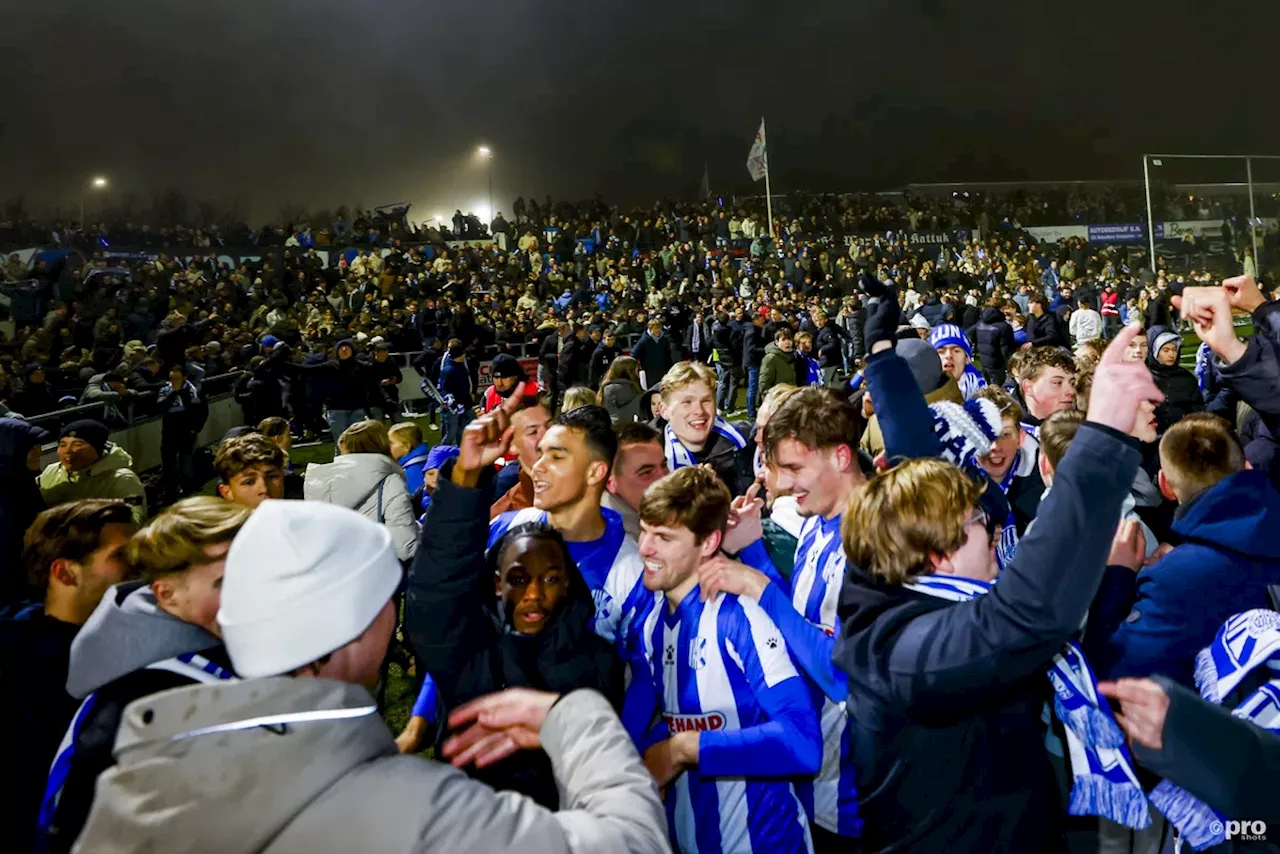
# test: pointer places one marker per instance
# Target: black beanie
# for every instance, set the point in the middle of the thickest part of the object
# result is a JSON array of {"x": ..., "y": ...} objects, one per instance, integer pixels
[{"x": 93, "y": 432}]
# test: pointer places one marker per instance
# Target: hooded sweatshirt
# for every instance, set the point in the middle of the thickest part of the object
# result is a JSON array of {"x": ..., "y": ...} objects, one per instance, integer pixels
[
  {"x": 109, "y": 477},
  {"x": 1228, "y": 556},
  {"x": 335, "y": 781},
  {"x": 126, "y": 633},
  {"x": 353, "y": 481},
  {"x": 471, "y": 650},
  {"x": 1181, "y": 390}
]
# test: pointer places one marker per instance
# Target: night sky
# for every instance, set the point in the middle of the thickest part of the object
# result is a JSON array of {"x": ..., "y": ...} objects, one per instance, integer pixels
[{"x": 325, "y": 102}]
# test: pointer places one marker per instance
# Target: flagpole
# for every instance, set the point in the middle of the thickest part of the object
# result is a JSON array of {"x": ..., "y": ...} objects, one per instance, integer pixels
[{"x": 768, "y": 195}]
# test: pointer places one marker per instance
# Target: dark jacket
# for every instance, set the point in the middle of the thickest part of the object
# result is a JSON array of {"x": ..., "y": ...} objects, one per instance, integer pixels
[
  {"x": 385, "y": 396},
  {"x": 470, "y": 650},
  {"x": 754, "y": 340},
  {"x": 34, "y": 649},
  {"x": 455, "y": 379},
  {"x": 994, "y": 337},
  {"x": 20, "y": 502},
  {"x": 575, "y": 361},
  {"x": 549, "y": 350},
  {"x": 826, "y": 345},
  {"x": 601, "y": 358},
  {"x": 706, "y": 340},
  {"x": 1227, "y": 557},
  {"x": 945, "y": 697},
  {"x": 621, "y": 399},
  {"x": 654, "y": 356},
  {"x": 34, "y": 399},
  {"x": 1181, "y": 393},
  {"x": 728, "y": 345},
  {"x": 1046, "y": 330}
]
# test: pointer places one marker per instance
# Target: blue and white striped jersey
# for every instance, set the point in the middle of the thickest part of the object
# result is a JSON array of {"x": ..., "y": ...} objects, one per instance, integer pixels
[
  {"x": 722, "y": 668},
  {"x": 832, "y": 799},
  {"x": 610, "y": 565}
]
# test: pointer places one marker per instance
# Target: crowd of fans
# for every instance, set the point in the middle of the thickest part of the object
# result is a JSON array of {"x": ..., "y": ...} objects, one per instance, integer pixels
[{"x": 793, "y": 543}]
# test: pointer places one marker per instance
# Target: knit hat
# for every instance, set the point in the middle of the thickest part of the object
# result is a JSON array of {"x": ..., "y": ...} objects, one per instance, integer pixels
[
  {"x": 1164, "y": 338},
  {"x": 949, "y": 335},
  {"x": 93, "y": 432},
  {"x": 269, "y": 340},
  {"x": 923, "y": 361},
  {"x": 303, "y": 578},
  {"x": 439, "y": 455},
  {"x": 966, "y": 431},
  {"x": 505, "y": 365}
]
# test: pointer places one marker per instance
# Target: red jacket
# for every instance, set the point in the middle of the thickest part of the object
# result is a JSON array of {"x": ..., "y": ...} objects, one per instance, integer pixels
[
  {"x": 1108, "y": 304},
  {"x": 492, "y": 400}
]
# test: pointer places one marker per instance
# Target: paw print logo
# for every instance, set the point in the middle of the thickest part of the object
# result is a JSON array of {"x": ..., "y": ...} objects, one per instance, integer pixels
[
  {"x": 772, "y": 643},
  {"x": 670, "y": 655}
]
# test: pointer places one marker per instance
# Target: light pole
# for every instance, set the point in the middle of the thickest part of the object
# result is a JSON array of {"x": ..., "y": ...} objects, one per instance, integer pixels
[
  {"x": 96, "y": 183},
  {"x": 487, "y": 153}
]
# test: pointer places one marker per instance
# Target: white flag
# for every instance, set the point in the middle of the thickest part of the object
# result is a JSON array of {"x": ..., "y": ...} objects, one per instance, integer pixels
[{"x": 758, "y": 157}]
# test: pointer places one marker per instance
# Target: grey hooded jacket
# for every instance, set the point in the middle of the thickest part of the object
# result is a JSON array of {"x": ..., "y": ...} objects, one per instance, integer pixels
[
  {"x": 215, "y": 768},
  {"x": 352, "y": 481}
]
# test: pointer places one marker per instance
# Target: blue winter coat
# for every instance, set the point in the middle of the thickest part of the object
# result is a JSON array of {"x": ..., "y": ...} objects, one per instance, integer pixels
[
  {"x": 414, "y": 465},
  {"x": 455, "y": 379},
  {"x": 1229, "y": 554}
]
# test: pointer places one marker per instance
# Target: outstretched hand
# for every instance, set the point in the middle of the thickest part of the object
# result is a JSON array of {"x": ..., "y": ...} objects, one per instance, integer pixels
[
  {"x": 1120, "y": 387},
  {"x": 483, "y": 443},
  {"x": 1209, "y": 310},
  {"x": 497, "y": 725}
]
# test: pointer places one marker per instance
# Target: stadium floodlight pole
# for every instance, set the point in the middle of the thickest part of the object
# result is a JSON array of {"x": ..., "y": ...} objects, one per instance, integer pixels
[
  {"x": 1151, "y": 225},
  {"x": 97, "y": 183},
  {"x": 487, "y": 153},
  {"x": 1253, "y": 219}
]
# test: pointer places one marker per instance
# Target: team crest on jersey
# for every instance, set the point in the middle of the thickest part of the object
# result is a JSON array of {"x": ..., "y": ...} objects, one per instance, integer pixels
[
  {"x": 698, "y": 653},
  {"x": 833, "y": 572},
  {"x": 604, "y": 604},
  {"x": 669, "y": 657}
]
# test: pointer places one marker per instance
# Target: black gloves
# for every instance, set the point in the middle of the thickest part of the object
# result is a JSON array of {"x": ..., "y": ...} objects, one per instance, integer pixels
[{"x": 883, "y": 313}]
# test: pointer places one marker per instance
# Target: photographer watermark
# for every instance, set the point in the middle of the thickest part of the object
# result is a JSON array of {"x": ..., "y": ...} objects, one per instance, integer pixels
[{"x": 1246, "y": 831}]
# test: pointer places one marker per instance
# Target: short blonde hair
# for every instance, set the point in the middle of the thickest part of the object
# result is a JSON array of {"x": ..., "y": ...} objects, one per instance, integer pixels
[
  {"x": 1197, "y": 452},
  {"x": 407, "y": 433},
  {"x": 773, "y": 400},
  {"x": 686, "y": 374},
  {"x": 179, "y": 536},
  {"x": 904, "y": 516},
  {"x": 365, "y": 437},
  {"x": 576, "y": 397}
]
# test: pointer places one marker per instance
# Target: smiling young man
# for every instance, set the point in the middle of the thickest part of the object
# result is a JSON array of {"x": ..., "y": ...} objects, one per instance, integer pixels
[
  {"x": 737, "y": 723},
  {"x": 144, "y": 637},
  {"x": 91, "y": 466},
  {"x": 569, "y": 476},
  {"x": 947, "y": 673},
  {"x": 514, "y": 483},
  {"x": 1047, "y": 380},
  {"x": 696, "y": 435},
  {"x": 811, "y": 447},
  {"x": 250, "y": 468},
  {"x": 639, "y": 463}
]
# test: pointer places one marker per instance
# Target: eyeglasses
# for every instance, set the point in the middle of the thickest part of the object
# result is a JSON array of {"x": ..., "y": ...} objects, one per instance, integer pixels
[{"x": 981, "y": 517}]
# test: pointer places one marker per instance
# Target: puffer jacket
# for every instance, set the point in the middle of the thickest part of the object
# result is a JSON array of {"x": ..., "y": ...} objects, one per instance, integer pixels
[
  {"x": 621, "y": 399},
  {"x": 353, "y": 480},
  {"x": 196, "y": 773},
  {"x": 995, "y": 340},
  {"x": 110, "y": 477}
]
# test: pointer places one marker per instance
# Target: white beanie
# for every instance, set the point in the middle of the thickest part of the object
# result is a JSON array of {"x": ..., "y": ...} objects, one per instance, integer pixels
[{"x": 303, "y": 578}]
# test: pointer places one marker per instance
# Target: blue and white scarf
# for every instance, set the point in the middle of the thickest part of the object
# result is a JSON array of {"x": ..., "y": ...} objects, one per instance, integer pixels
[
  {"x": 678, "y": 456},
  {"x": 195, "y": 667},
  {"x": 970, "y": 382},
  {"x": 1104, "y": 781},
  {"x": 1244, "y": 643}
]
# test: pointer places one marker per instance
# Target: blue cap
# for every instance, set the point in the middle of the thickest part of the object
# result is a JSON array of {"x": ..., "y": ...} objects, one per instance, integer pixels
[
  {"x": 270, "y": 340},
  {"x": 439, "y": 455}
]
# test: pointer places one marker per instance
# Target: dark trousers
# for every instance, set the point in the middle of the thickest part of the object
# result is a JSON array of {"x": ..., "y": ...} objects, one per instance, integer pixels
[{"x": 177, "y": 447}]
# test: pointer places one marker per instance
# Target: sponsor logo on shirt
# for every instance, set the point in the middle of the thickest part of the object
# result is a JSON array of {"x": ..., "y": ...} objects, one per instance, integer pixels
[{"x": 694, "y": 723}]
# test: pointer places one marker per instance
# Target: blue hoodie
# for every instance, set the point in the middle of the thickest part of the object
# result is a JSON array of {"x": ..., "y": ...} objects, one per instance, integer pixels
[
  {"x": 1228, "y": 557},
  {"x": 414, "y": 465}
]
